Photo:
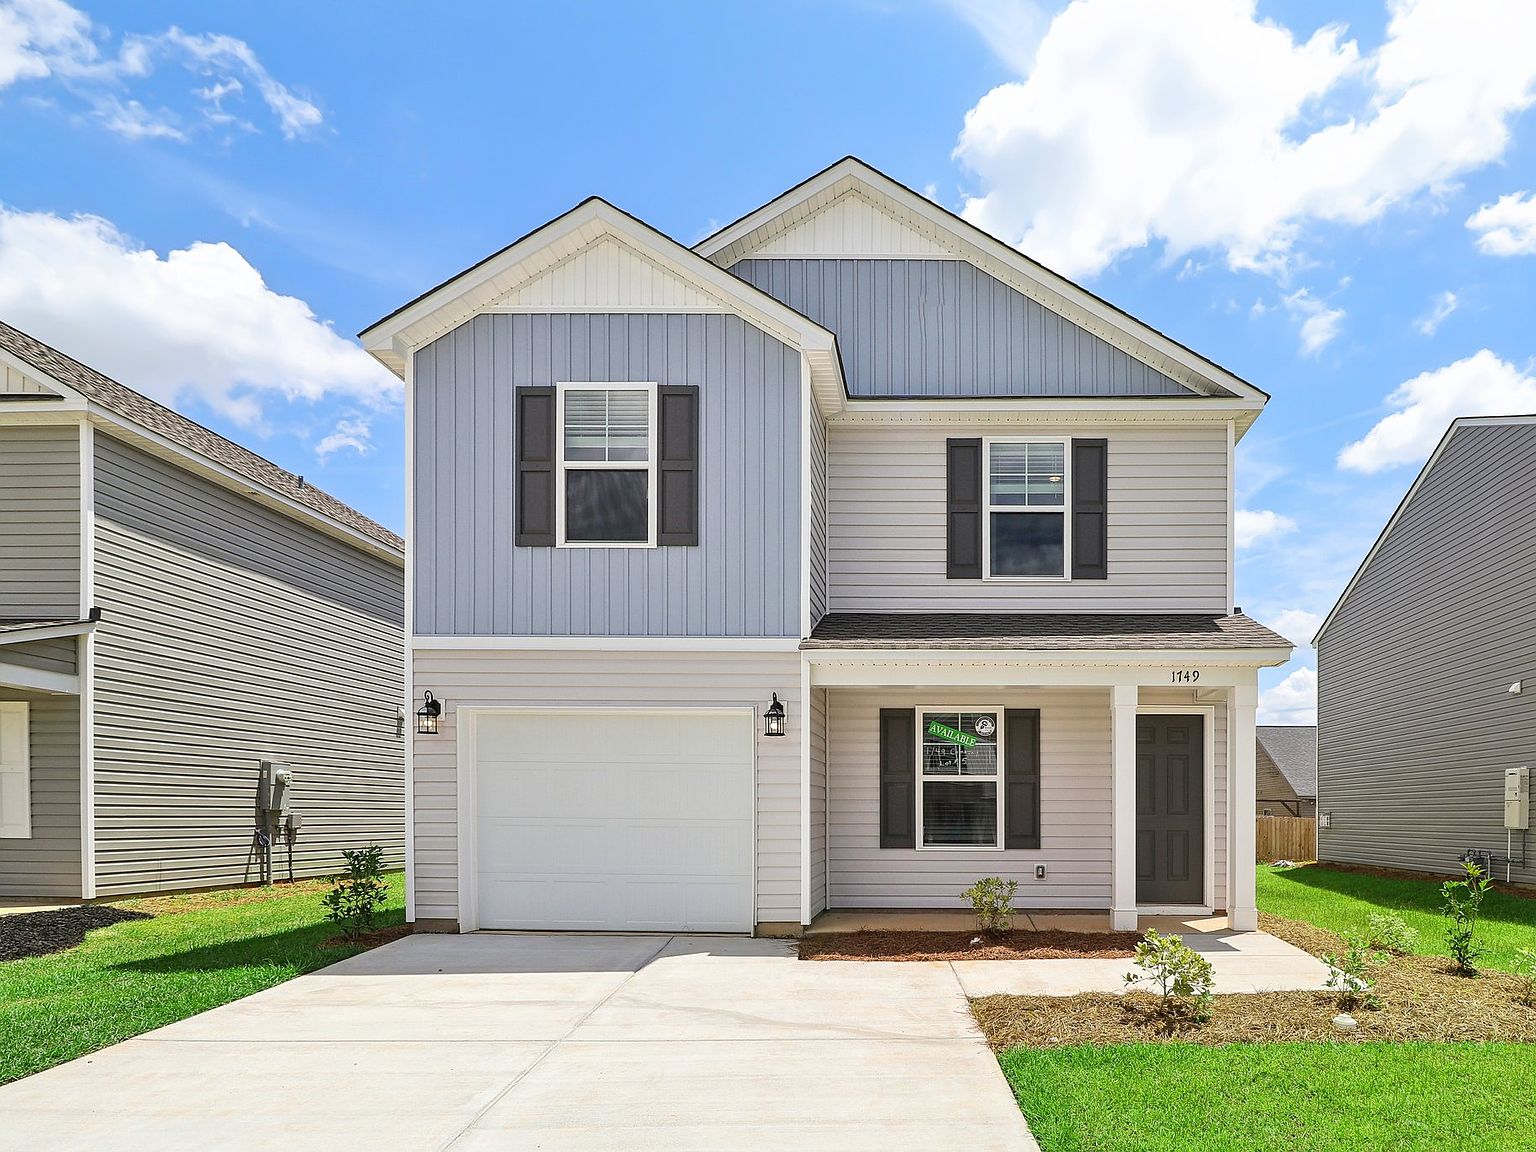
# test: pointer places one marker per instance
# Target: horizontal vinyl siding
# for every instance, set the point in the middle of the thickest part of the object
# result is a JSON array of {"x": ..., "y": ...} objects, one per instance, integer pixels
[
  {"x": 1167, "y": 524},
  {"x": 946, "y": 328},
  {"x": 231, "y": 635},
  {"x": 743, "y": 577},
  {"x": 489, "y": 679},
  {"x": 48, "y": 865},
  {"x": 1415, "y": 721},
  {"x": 40, "y": 521},
  {"x": 60, "y": 654},
  {"x": 818, "y": 714}
]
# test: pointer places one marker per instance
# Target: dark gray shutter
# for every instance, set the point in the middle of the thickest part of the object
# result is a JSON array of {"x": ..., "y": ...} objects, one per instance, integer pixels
[
  {"x": 898, "y": 778},
  {"x": 1090, "y": 509},
  {"x": 1021, "y": 778},
  {"x": 677, "y": 460},
  {"x": 963, "y": 493},
  {"x": 535, "y": 439}
]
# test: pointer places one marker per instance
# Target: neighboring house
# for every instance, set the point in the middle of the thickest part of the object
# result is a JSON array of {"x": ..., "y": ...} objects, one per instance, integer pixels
[
  {"x": 1287, "y": 770},
  {"x": 969, "y": 525},
  {"x": 173, "y": 610},
  {"x": 1426, "y": 667}
]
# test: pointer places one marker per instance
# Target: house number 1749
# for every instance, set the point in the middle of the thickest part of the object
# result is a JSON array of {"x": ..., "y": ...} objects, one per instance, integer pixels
[{"x": 1186, "y": 675}]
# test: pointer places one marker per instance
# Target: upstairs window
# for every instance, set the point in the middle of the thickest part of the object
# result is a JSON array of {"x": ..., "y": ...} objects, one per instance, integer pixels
[
  {"x": 1026, "y": 508},
  {"x": 607, "y": 484}
]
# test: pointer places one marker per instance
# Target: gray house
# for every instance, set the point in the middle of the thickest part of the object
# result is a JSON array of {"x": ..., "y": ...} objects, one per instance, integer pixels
[
  {"x": 1427, "y": 668},
  {"x": 834, "y": 562},
  {"x": 173, "y": 610},
  {"x": 1287, "y": 770}
]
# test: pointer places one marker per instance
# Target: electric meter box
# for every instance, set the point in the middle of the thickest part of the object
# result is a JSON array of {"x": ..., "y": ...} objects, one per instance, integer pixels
[
  {"x": 1517, "y": 798},
  {"x": 272, "y": 786}
]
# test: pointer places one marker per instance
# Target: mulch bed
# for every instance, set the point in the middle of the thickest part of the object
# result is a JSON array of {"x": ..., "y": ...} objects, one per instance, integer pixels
[
  {"x": 41, "y": 933},
  {"x": 370, "y": 939},
  {"x": 1051, "y": 944},
  {"x": 1421, "y": 999}
]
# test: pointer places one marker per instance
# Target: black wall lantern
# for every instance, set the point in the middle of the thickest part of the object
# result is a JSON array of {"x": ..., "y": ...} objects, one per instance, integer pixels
[
  {"x": 773, "y": 719},
  {"x": 427, "y": 716}
]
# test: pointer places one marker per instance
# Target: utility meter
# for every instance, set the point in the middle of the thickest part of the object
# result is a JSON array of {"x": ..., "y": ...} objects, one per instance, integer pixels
[
  {"x": 272, "y": 785},
  {"x": 1517, "y": 798}
]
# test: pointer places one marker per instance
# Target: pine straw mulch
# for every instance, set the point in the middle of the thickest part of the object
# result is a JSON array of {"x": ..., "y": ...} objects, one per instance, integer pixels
[
  {"x": 1019, "y": 944},
  {"x": 1421, "y": 999}
]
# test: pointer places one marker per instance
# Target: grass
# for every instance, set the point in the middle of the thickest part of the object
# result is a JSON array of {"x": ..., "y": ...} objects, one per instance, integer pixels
[
  {"x": 1259, "y": 1097},
  {"x": 130, "y": 977},
  {"x": 1342, "y": 902}
]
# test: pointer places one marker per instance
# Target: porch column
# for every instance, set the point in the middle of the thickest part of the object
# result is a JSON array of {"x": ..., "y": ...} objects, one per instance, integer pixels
[
  {"x": 1242, "y": 893},
  {"x": 1122, "y": 899}
]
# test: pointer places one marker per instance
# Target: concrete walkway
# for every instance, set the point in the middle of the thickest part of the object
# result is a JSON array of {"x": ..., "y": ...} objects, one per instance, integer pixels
[{"x": 550, "y": 1042}]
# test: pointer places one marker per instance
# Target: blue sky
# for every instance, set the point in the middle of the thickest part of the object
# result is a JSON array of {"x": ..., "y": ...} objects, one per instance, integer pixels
[{"x": 207, "y": 200}]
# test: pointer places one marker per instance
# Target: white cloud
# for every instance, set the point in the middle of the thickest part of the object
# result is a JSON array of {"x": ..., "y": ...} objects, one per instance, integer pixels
[
  {"x": 1250, "y": 527},
  {"x": 1480, "y": 385},
  {"x": 1319, "y": 323},
  {"x": 49, "y": 39},
  {"x": 1507, "y": 227},
  {"x": 1292, "y": 701},
  {"x": 1439, "y": 312},
  {"x": 1196, "y": 124},
  {"x": 351, "y": 432},
  {"x": 198, "y": 323},
  {"x": 1296, "y": 624}
]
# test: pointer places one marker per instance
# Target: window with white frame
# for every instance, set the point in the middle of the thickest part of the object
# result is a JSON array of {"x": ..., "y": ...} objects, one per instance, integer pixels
[
  {"x": 607, "y": 485},
  {"x": 959, "y": 786},
  {"x": 1027, "y": 522}
]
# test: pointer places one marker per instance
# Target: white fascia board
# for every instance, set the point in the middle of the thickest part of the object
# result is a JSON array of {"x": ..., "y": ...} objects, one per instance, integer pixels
[
  {"x": 50, "y": 632},
  {"x": 37, "y": 680},
  {"x": 605, "y": 644},
  {"x": 884, "y": 667}
]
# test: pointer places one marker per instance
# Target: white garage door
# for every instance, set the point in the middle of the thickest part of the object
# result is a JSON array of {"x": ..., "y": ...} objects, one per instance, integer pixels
[{"x": 619, "y": 821}]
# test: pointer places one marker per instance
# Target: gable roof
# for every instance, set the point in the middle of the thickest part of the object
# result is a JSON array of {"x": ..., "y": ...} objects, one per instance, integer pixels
[
  {"x": 1044, "y": 631},
  {"x": 145, "y": 414},
  {"x": 528, "y": 273},
  {"x": 1293, "y": 748},
  {"x": 939, "y": 227},
  {"x": 1456, "y": 425}
]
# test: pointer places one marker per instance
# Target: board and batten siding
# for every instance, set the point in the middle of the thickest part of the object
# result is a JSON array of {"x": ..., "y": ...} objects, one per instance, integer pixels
[
  {"x": 1167, "y": 523},
  {"x": 40, "y": 521},
  {"x": 1416, "y": 723},
  {"x": 816, "y": 477},
  {"x": 945, "y": 328},
  {"x": 492, "y": 679},
  {"x": 743, "y": 577},
  {"x": 230, "y": 635},
  {"x": 48, "y": 864},
  {"x": 818, "y": 715}
]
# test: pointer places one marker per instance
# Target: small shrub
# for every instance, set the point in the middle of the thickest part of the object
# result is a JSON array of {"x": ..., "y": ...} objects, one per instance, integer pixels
[
  {"x": 1390, "y": 932},
  {"x": 991, "y": 899},
  {"x": 1525, "y": 968},
  {"x": 1463, "y": 901},
  {"x": 1349, "y": 975},
  {"x": 1180, "y": 976},
  {"x": 355, "y": 897}
]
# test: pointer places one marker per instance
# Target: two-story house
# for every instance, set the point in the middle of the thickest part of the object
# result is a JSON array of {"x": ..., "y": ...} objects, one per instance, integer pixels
[{"x": 850, "y": 470}]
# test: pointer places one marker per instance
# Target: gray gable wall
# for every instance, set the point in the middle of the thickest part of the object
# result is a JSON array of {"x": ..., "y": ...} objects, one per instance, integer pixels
[{"x": 936, "y": 328}]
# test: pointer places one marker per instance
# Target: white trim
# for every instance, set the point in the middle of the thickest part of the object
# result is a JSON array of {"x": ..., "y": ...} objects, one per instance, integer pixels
[
  {"x": 466, "y": 775},
  {"x": 848, "y": 667},
  {"x": 1207, "y": 712},
  {"x": 408, "y": 684},
  {"x": 1242, "y": 769},
  {"x": 49, "y": 632},
  {"x": 652, "y": 456},
  {"x": 1231, "y": 517},
  {"x": 807, "y": 414},
  {"x": 19, "y": 826},
  {"x": 39, "y": 680},
  {"x": 920, "y": 782},
  {"x": 804, "y": 722},
  {"x": 1064, "y": 511},
  {"x": 85, "y": 657},
  {"x": 461, "y": 643}
]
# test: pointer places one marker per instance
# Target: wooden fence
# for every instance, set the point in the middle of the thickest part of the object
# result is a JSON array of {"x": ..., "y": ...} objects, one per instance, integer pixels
[{"x": 1286, "y": 838}]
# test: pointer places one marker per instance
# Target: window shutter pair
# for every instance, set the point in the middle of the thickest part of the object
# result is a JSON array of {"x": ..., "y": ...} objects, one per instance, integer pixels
[
  {"x": 965, "y": 502},
  {"x": 537, "y": 440},
  {"x": 1020, "y": 778}
]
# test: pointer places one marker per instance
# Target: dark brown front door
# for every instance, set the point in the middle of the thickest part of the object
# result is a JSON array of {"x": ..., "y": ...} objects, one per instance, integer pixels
[{"x": 1170, "y": 809}]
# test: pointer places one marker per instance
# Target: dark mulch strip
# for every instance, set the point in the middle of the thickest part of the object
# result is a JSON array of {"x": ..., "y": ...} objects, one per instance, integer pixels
[
  {"x": 1051, "y": 944},
  {"x": 40, "y": 933},
  {"x": 370, "y": 939}
]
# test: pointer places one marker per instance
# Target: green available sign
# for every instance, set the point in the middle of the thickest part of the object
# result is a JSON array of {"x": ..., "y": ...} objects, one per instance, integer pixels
[{"x": 953, "y": 735}]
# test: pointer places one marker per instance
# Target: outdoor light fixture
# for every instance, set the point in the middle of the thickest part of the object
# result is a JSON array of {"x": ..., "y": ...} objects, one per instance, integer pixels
[
  {"x": 427, "y": 715},
  {"x": 773, "y": 719}
]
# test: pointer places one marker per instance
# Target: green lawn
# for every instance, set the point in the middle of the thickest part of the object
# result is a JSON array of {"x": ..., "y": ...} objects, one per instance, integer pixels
[
  {"x": 131, "y": 977},
  {"x": 1277, "y": 1097},
  {"x": 1343, "y": 901}
]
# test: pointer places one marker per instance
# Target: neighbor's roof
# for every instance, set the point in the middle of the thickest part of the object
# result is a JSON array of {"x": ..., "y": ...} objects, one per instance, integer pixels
[
  {"x": 1293, "y": 748},
  {"x": 140, "y": 410},
  {"x": 1041, "y": 631}
]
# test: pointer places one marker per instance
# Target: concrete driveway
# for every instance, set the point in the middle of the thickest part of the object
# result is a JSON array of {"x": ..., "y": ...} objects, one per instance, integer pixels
[{"x": 549, "y": 1042}]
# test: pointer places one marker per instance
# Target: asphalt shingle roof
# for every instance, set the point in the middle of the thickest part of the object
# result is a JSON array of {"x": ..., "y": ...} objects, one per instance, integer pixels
[
  {"x": 1040, "y": 631},
  {"x": 139, "y": 409},
  {"x": 1293, "y": 748}
]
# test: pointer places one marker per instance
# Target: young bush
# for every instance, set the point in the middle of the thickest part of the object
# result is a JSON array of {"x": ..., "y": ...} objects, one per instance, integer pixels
[
  {"x": 1525, "y": 968},
  {"x": 1391, "y": 933},
  {"x": 1180, "y": 976},
  {"x": 991, "y": 899},
  {"x": 355, "y": 897},
  {"x": 1349, "y": 975},
  {"x": 1463, "y": 901}
]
